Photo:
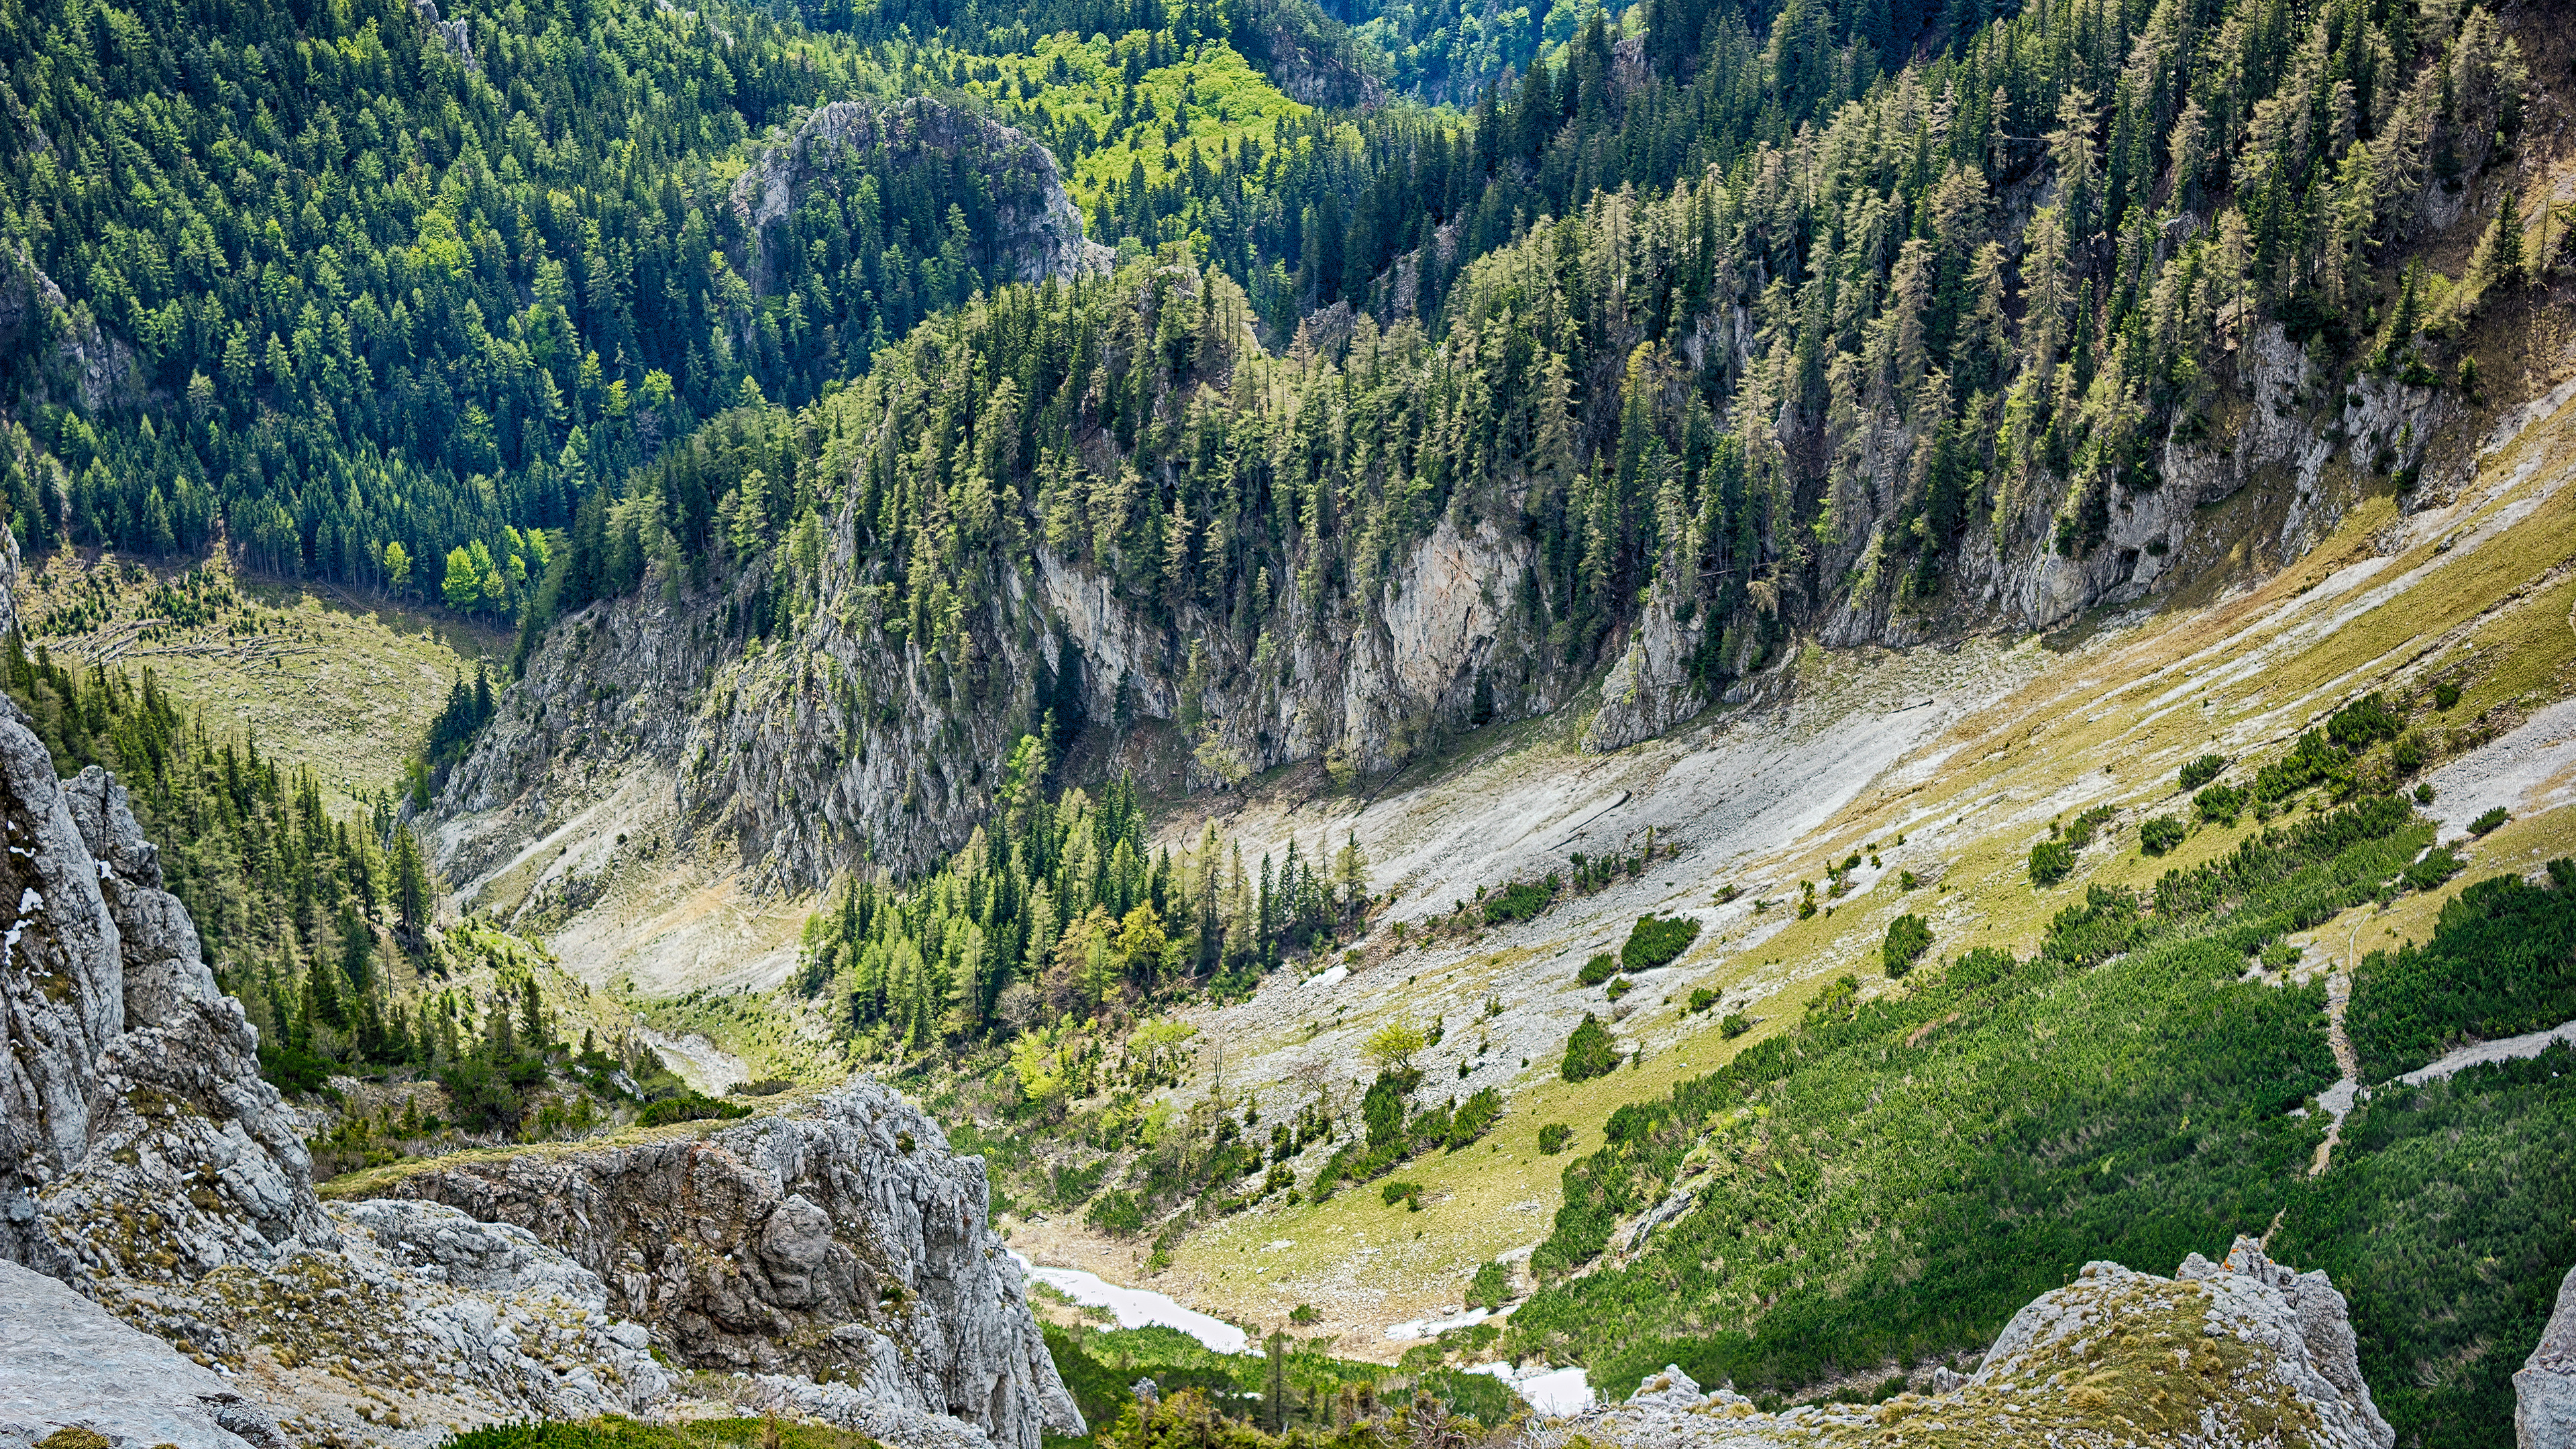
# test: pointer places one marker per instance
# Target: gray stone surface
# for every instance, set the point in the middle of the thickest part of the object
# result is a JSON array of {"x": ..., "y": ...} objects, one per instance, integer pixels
[
  {"x": 2239, "y": 1352},
  {"x": 2544, "y": 1392},
  {"x": 838, "y": 1239},
  {"x": 66, "y": 1363},
  {"x": 1038, "y": 228}
]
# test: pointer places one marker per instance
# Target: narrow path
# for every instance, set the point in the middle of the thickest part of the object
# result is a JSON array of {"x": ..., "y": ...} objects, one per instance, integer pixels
[{"x": 2336, "y": 1101}]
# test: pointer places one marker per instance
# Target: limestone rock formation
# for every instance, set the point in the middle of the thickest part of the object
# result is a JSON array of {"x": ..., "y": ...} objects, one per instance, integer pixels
[
  {"x": 149, "y": 1167},
  {"x": 837, "y": 1239},
  {"x": 1038, "y": 228},
  {"x": 2243, "y": 1351},
  {"x": 66, "y": 1364},
  {"x": 146, "y": 1145},
  {"x": 2544, "y": 1392}
]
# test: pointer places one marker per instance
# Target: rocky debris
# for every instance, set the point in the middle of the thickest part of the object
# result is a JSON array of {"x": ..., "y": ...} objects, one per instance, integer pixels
[
  {"x": 2544, "y": 1392},
  {"x": 1038, "y": 228},
  {"x": 838, "y": 1240},
  {"x": 2244, "y": 1351},
  {"x": 66, "y": 1364}
]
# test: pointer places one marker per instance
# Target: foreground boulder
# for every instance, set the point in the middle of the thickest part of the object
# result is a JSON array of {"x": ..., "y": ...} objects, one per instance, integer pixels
[
  {"x": 2544, "y": 1393},
  {"x": 2240, "y": 1352},
  {"x": 65, "y": 1364},
  {"x": 838, "y": 1239}
]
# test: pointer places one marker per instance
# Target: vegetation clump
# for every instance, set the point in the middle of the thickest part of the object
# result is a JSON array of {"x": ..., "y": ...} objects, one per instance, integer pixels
[
  {"x": 2202, "y": 770},
  {"x": 1908, "y": 937},
  {"x": 1656, "y": 941},
  {"x": 1590, "y": 1052},
  {"x": 2502, "y": 961}
]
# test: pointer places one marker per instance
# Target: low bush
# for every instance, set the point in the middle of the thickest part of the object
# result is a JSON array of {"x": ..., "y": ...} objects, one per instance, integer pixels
[
  {"x": 1701, "y": 999},
  {"x": 2489, "y": 821},
  {"x": 688, "y": 1107},
  {"x": 1407, "y": 1193},
  {"x": 1735, "y": 1024},
  {"x": 2437, "y": 866},
  {"x": 1601, "y": 967},
  {"x": 1908, "y": 937},
  {"x": 1121, "y": 1215},
  {"x": 1475, "y": 1117},
  {"x": 1657, "y": 940},
  {"x": 1519, "y": 901},
  {"x": 2203, "y": 770},
  {"x": 2080, "y": 830},
  {"x": 2051, "y": 861},
  {"x": 2445, "y": 695},
  {"x": 1553, "y": 1137},
  {"x": 2160, "y": 834},
  {"x": 1491, "y": 1287},
  {"x": 2220, "y": 803},
  {"x": 1590, "y": 1052}
]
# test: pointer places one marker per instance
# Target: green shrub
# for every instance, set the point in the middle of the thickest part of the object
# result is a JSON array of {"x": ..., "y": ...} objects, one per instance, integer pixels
[
  {"x": 2363, "y": 723},
  {"x": 1475, "y": 1117},
  {"x": 2203, "y": 770},
  {"x": 1907, "y": 880},
  {"x": 1701, "y": 999},
  {"x": 2424, "y": 793},
  {"x": 1519, "y": 901},
  {"x": 1303, "y": 1313},
  {"x": 2051, "y": 861},
  {"x": 291, "y": 1068},
  {"x": 1619, "y": 988},
  {"x": 1908, "y": 937},
  {"x": 1590, "y": 1052},
  {"x": 2221, "y": 803},
  {"x": 2437, "y": 866},
  {"x": 1735, "y": 1024},
  {"x": 688, "y": 1107},
  {"x": 1122, "y": 1215},
  {"x": 2489, "y": 821},
  {"x": 1553, "y": 1137},
  {"x": 1657, "y": 940},
  {"x": 1407, "y": 1193},
  {"x": 2502, "y": 961},
  {"x": 1601, "y": 967},
  {"x": 2445, "y": 695},
  {"x": 2079, "y": 831},
  {"x": 2160, "y": 834},
  {"x": 1491, "y": 1287},
  {"x": 2409, "y": 754}
]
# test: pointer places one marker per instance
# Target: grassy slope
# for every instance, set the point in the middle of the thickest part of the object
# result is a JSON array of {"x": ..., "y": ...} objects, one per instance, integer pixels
[{"x": 324, "y": 680}]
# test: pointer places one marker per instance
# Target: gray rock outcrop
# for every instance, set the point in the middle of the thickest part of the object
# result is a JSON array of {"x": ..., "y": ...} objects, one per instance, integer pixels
[
  {"x": 2243, "y": 1351},
  {"x": 141, "y": 1141},
  {"x": 1038, "y": 229},
  {"x": 66, "y": 1364},
  {"x": 2544, "y": 1392},
  {"x": 837, "y": 1240}
]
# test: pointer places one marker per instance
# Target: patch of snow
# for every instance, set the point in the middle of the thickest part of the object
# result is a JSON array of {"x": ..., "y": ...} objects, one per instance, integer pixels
[
  {"x": 1138, "y": 1307},
  {"x": 1328, "y": 978},
  {"x": 1554, "y": 1392},
  {"x": 1430, "y": 1327}
]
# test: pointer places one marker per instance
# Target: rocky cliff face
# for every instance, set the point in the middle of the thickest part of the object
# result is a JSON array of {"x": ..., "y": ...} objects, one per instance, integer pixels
[
  {"x": 830, "y": 745},
  {"x": 2243, "y": 1351},
  {"x": 128, "y": 1078},
  {"x": 839, "y": 1241},
  {"x": 1039, "y": 230}
]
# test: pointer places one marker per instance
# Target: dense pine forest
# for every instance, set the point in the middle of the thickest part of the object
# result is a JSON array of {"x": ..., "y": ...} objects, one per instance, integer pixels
[{"x": 387, "y": 304}]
